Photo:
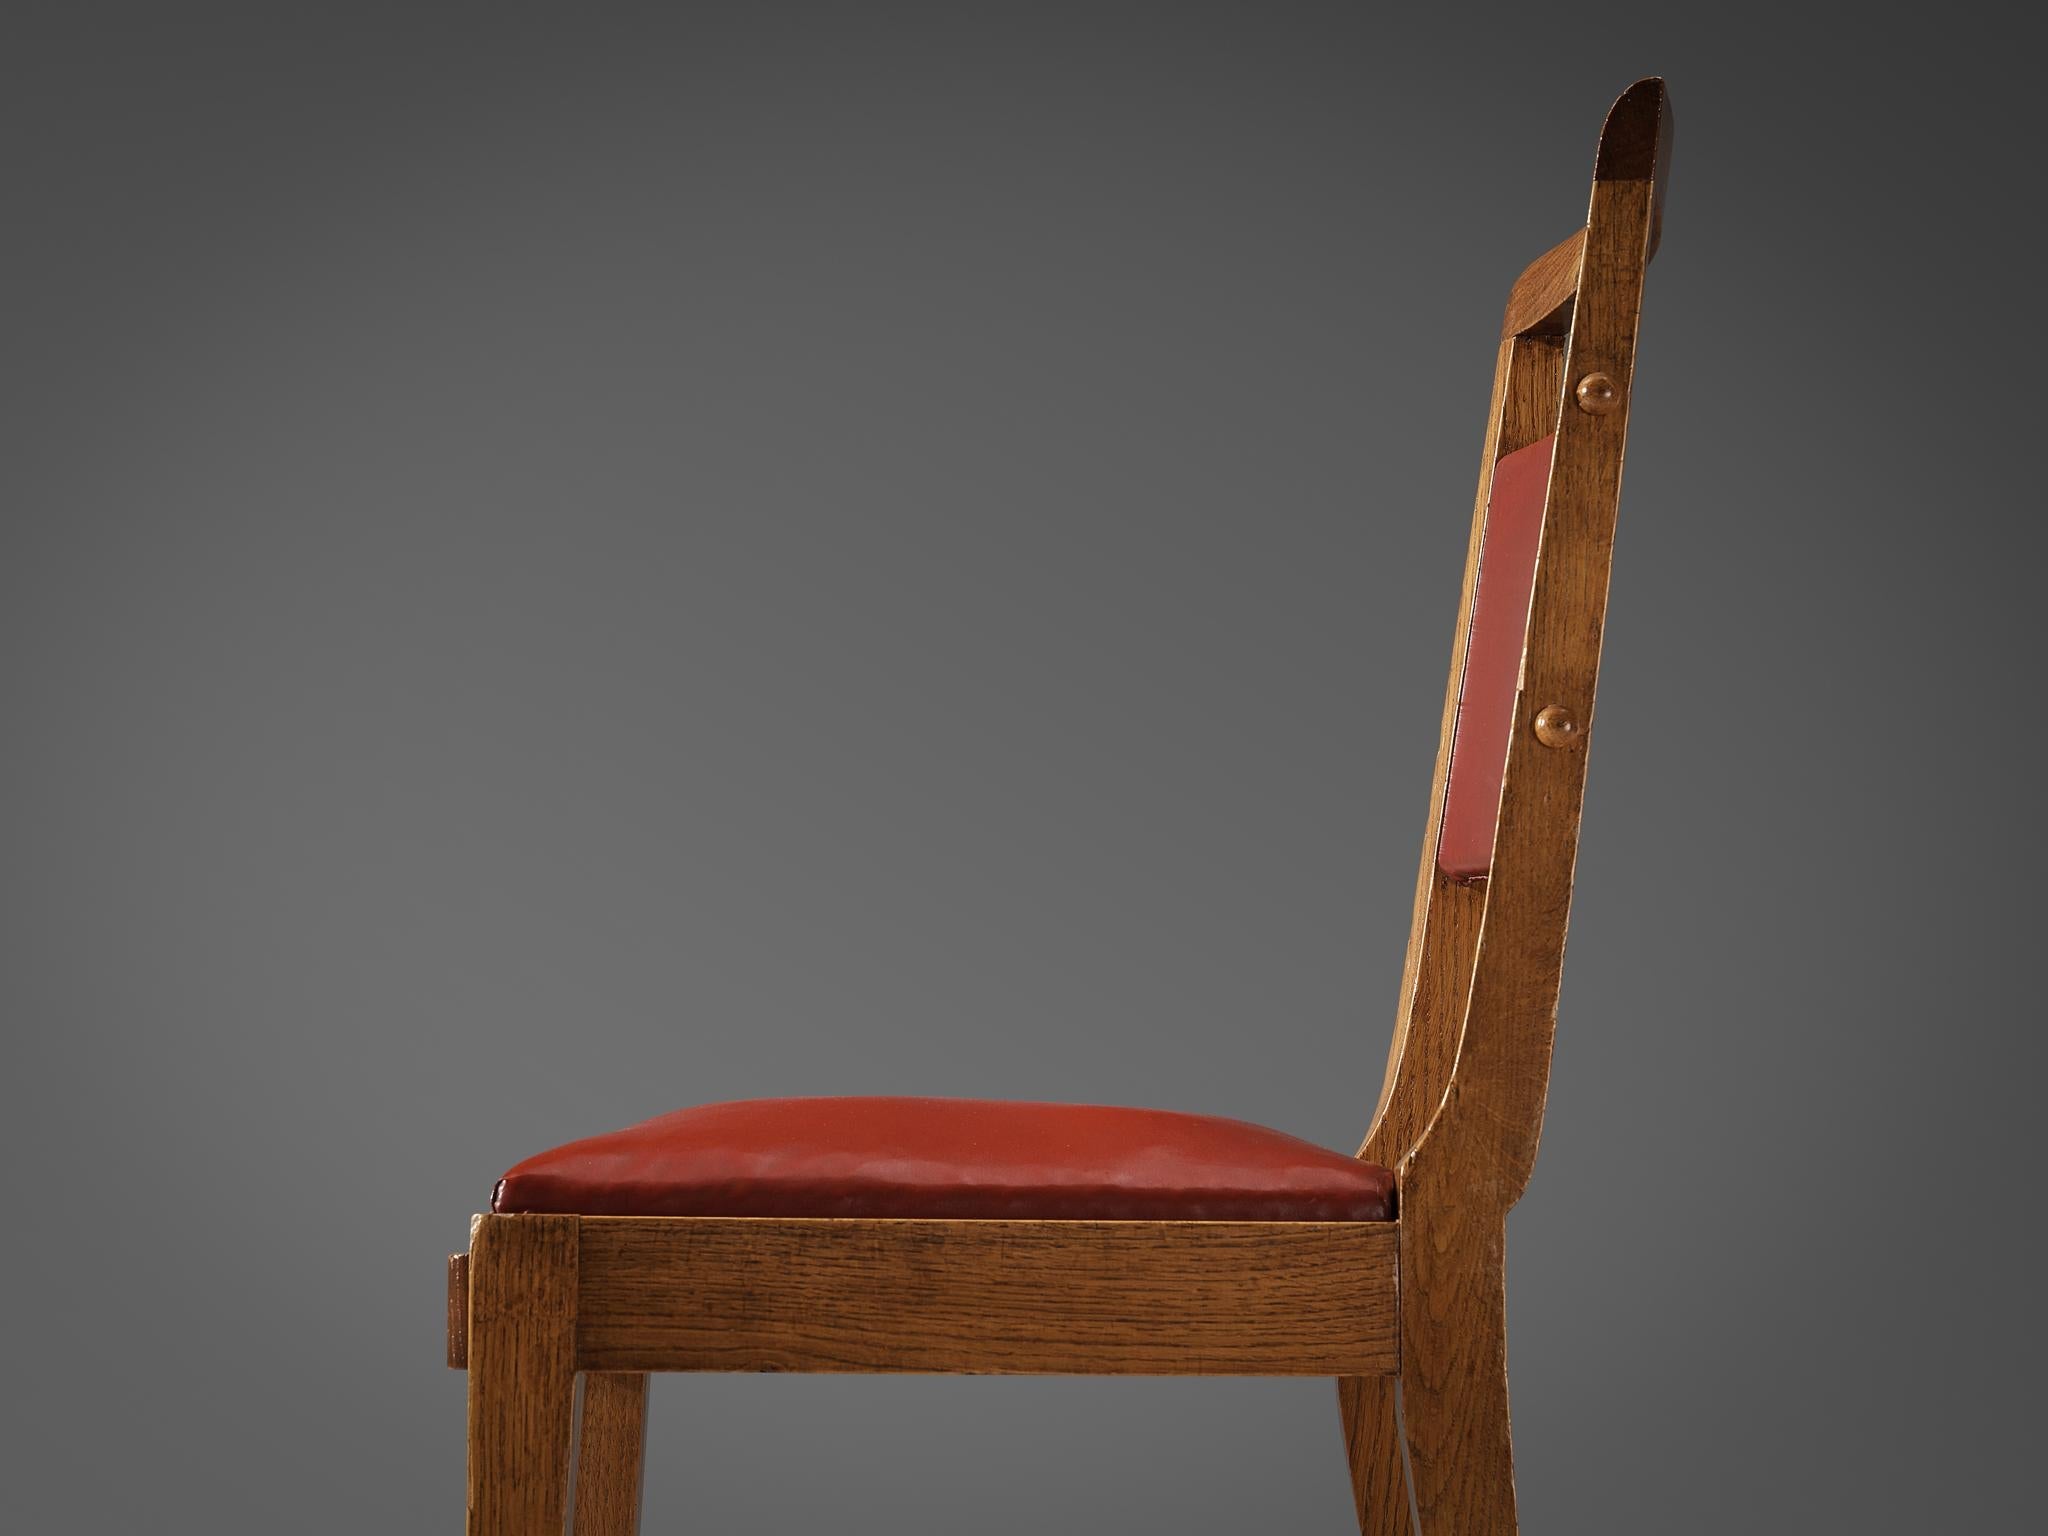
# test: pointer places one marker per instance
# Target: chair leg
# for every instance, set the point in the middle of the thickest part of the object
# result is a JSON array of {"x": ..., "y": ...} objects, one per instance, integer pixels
[
  {"x": 522, "y": 1373},
  {"x": 1372, "y": 1437},
  {"x": 611, "y": 1445},
  {"x": 1454, "y": 1379}
]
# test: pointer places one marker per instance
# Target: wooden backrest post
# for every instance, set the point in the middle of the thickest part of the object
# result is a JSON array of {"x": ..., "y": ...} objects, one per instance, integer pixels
[{"x": 1471, "y": 1056}]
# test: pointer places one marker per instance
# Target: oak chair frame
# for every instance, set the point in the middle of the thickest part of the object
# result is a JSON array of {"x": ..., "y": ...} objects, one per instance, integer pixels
[{"x": 558, "y": 1319}]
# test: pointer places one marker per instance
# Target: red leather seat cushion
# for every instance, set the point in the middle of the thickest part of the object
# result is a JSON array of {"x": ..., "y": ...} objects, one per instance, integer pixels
[{"x": 969, "y": 1158}]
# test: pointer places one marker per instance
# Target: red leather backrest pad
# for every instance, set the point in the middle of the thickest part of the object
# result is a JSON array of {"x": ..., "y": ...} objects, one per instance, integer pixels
[{"x": 1493, "y": 660}]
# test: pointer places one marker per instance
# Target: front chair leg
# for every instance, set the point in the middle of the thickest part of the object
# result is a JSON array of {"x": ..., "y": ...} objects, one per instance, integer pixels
[
  {"x": 522, "y": 1373},
  {"x": 611, "y": 1445},
  {"x": 1372, "y": 1437}
]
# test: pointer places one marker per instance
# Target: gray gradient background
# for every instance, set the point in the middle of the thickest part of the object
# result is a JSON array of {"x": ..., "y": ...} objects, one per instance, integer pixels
[{"x": 561, "y": 564}]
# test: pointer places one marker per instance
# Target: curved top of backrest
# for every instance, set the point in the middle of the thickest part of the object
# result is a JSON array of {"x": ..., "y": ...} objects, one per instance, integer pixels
[{"x": 1635, "y": 145}]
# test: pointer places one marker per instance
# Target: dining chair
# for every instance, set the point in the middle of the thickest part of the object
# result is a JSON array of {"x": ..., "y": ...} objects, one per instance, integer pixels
[{"x": 877, "y": 1234}]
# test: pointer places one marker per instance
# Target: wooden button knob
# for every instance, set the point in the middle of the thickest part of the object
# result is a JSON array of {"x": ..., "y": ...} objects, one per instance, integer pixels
[
  {"x": 1597, "y": 394},
  {"x": 1556, "y": 726}
]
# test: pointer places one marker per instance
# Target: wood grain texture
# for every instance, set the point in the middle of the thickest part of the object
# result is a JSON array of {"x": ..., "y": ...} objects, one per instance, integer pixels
[
  {"x": 1440, "y": 908},
  {"x": 1011, "y": 1297},
  {"x": 611, "y": 1453},
  {"x": 1444, "y": 938},
  {"x": 1635, "y": 145},
  {"x": 522, "y": 1373},
  {"x": 458, "y": 1311},
  {"x": 1454, "y": 1385},
  {"x": 1461, "y": 1112},
  {"x": 1493, "y": 1108},
  {"x": 1475, "y": 1158},
  {"x": 1370, "y": 1408},
  {"x": 1537, "y": 302}
]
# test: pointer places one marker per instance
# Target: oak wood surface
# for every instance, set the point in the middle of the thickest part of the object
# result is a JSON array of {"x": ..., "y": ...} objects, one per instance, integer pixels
[
  {"x": 1444, "y": 937},
  {"x": 1436, "y": 979},
  {"x": 1461, "y": 1113},
  {"x": 1492, "y": 1110},
  {"x": 1474, "y": 1159},
  {"x": 522, "y": 1373},
  {"x": 611, "y": 1453},
  {"x": 458, "y": 1311},
  {"x": 1444, "y": 910},
  {"x": 1060, "y": 1297},
  {"x": 1370, "y": 1409},
  {"x": 1536, "y": 303}
]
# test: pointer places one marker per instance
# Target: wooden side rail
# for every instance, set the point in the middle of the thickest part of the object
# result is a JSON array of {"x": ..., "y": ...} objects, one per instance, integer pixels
[{"x": 1098, "y": 1298}]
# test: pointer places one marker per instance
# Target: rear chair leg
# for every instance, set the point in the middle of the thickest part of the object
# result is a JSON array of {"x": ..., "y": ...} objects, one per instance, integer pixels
[
  {"x": 1434, "y": 1457},
  {"x": 522, "y": 1373},
  {"x": 611, "y": 1445},
  {"x": 1454, "y": 1375}
]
